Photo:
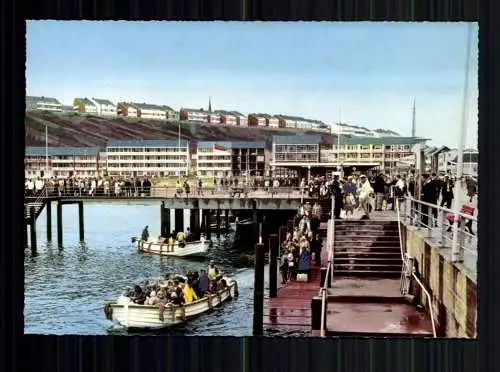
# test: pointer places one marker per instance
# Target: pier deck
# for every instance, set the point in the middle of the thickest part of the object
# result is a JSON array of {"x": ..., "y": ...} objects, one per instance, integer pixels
[{"x": 290, "y": 311}]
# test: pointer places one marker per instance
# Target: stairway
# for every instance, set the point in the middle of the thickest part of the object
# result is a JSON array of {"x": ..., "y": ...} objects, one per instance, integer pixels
[
  {"x": 326, "y": 209},
  {"x": 367, "y": 248},
  {"x": 38, "y": 205}
]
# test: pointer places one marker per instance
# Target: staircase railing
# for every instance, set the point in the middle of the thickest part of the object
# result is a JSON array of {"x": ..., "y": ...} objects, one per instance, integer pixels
[
  {"x": 404, "y": 260},
  {"x": 329, "y": 270},
  {"x": 42, "y": 195}
]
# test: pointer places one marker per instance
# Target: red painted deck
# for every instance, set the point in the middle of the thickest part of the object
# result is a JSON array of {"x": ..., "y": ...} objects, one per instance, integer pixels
[
  {"x": 373, "y": 306},
  {"x": 290, "y": 312}
]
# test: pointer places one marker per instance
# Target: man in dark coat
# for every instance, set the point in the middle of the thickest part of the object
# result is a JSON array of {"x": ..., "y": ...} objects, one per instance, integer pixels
[{"x": 447, "y": 192}]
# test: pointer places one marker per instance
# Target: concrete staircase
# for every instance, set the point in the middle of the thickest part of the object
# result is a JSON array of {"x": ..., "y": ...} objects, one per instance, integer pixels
[{"x": 367, "y": 248}]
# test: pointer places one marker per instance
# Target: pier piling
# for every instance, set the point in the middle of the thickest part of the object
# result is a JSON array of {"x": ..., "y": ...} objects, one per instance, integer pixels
[
  {"x": 226, "y": 220},
  {"x": 217, "y": 221},
  {"x": 323, "y": 277},
  {"x": 316, "y": 313},
  {"x": 179, "y": 220},
  {"x": 33, "y": 230},
  {"x": 258, "y": 300},
  {"x": 273, "y": 265},
  {"x": 48, "y": 208},
  {"x": 59, "y": 225},
  {"x": 25, "y": 234},
  {"x": 81, "y": 222},
  {"x": 194, "y": 223}
]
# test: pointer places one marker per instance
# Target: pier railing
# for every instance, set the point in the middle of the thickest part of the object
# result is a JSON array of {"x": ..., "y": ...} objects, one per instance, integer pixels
[
  {"x": 406, "y": 269},
  {"x": 439, "y": 222},
  {"x": 329, "y": 269},
  {"x": 169, "y": 191}
]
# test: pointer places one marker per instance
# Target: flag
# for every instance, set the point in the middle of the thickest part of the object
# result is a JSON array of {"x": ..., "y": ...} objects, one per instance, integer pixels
[{"x": 218, "y": 147}]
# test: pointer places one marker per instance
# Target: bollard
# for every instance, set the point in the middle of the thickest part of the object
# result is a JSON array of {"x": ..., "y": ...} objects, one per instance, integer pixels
[
  {"x": 258, "y": 300},
  {"x": 316, "y": 313},
  {"x": 323, "y": 276},
  {"x": 273, "y": 265}
]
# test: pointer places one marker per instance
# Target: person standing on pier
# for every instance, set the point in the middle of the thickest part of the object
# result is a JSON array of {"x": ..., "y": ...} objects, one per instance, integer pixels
[
  {"x": 428, "y": 196},
  {"x": 349, "y": 196},
  {"x": 200, "y": 187},
  {"x": 365, "y": 190},
  {"x": 337, "y": 194},
  {"x": 447, "y": 192}
]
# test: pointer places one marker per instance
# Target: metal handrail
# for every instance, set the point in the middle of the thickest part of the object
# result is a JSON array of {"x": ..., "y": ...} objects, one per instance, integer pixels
[
  {"x": 164, "y": 191},
  {"x": 40, "y": 198},
  {"x": 439, "y": 208},
  {"x": 429, "y": 300},
  {"x": 329, "y": 269}
]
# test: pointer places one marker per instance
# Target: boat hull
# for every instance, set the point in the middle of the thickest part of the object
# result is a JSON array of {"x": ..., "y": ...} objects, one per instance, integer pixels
[
  {"x": 134, "y": 316},
  {"x": 190, "y": 249}
]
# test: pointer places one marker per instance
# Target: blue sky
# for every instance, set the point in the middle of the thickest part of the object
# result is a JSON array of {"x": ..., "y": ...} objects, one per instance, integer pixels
[{"x": 365, "y": 73}]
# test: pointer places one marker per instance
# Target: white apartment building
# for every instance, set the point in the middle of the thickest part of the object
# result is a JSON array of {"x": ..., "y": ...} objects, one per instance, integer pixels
[
  {"x": 159, "y": 158},
  {"x": 149, "y": 111},
  {"x": 241, "y": 120},
  {"x": 62, "y": 162},
  {"x": 43, "y": 103},
  {"x": 193, "y": 115},
  {"x": 126, "y": 109},
  {"x": 214, "y": 159},
  {"x": 84, "y": 106},
  {"x": 214, "y": 118},
  {"x": 105, "y": 107},
  {"x": 273, "y": 122}
]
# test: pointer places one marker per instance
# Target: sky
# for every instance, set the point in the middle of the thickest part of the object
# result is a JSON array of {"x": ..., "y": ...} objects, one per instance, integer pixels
[{"x": 361, "y": 73}]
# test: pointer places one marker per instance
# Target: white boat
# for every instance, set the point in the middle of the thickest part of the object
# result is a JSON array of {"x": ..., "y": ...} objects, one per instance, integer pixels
[
  {"x": 196, "y": 248},
  {"x": 246, "y": 222},
  {"x": 134, "y": 316}
]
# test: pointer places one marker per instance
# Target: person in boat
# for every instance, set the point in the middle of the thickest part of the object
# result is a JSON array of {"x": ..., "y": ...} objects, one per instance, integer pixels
[
  {"x": 139, "y": 295},
  {"x": 213, "y": 271},
  {"x": 176, "y": 297},
  {"x": 152, "y": 299},
  {"x": 188, "y": 234},
  {"x": 189, "y": 294},
  {"x": 145, "y": 234},
  {"x": 181, "y": 238},
  {"x": 203, "y": 283}
]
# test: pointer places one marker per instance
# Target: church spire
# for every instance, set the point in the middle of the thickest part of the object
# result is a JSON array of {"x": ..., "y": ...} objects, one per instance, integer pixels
[{"x": 209, "y": 104}]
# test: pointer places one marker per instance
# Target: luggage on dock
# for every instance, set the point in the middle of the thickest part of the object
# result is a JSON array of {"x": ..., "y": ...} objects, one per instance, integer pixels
[{"x": 302, "y": 278}]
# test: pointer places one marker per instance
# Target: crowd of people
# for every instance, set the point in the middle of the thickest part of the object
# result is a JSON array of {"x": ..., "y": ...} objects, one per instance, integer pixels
[
  {"x": 176, "y": 290},
  {"x": 302, "y": 245},
  {"x": 98, "y": 186}
]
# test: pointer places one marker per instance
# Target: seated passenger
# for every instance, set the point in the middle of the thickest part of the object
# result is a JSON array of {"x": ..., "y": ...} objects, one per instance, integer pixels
[{"x": 189, "y": 294}]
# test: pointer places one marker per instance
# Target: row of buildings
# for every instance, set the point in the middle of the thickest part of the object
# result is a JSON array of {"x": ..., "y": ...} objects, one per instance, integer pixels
[
  {"x": 106, "y": 108},
  {"x": 286, "y": 155}
]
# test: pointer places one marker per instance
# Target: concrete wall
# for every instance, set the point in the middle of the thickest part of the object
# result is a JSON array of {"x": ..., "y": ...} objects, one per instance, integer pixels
[{"x": 452, "y": 288}]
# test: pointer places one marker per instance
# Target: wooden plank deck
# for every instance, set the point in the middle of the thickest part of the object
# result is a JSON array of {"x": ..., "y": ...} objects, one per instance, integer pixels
[{"x": 290, "y": 311}]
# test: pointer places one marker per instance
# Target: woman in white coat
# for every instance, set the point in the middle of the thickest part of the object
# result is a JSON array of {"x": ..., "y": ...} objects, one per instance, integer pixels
[{"x": 365, "y": 190}]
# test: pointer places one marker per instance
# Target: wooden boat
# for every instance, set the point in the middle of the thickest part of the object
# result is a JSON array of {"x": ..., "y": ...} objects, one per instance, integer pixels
[
  {"x": 196, "y": 248},
  {"x": 246, "y": 222},
  {"x": 134, "y": 316}
]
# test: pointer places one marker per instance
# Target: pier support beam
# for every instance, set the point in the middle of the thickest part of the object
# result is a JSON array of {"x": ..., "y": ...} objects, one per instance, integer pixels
[
  {"x": 194, "y": 223},
  {"x": 25, "y": 233},
  {"x": 322, "y": 278},
  {"x": 59, "y": 224},
  {"x": 217, "y": 222},
  {"x": 81, "y": 221},
  {"x": 226, "y": 220},
  {"x": 273, "y": 265},
  {"x": 316, "y": 313},
  {"x": 179, "y": 220},
  {"x": 258, "y": 300},
  {"x": 33, "y": 230},
  {"x": 48, "y": 208},
  {"x": 206, "y": 223},
  {"x": 165, "y": 224}
]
